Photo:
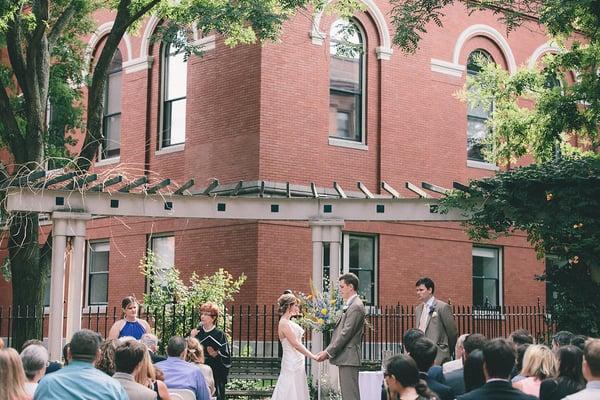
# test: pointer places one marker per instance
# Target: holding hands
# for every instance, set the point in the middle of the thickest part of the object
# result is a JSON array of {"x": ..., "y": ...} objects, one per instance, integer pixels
[{"x": 321, "y": 356}]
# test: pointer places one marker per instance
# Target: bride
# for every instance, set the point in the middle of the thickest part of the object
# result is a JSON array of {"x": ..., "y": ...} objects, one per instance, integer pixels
[{"x": 292, "y": 384}]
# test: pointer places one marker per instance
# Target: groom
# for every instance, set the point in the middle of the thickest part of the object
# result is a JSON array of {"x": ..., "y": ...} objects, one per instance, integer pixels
[{"x": 345, "y": 348}]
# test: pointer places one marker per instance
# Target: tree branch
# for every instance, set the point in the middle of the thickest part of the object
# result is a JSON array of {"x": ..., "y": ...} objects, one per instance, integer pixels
[
  {"x": 15, "y": 53},
  {"x": 11, "y": 132},
  {"x": 61, "y": 22}
]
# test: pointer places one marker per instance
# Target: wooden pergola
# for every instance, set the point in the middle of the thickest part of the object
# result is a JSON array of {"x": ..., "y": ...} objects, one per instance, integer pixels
[{"x": 72, "y": 200}]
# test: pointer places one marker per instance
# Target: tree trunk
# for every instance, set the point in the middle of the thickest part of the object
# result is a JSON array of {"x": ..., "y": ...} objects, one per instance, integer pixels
[{"x": 28, "y": 278}]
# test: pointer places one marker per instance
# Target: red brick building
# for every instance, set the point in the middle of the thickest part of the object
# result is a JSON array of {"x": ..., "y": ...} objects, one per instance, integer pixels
[{"x": 298, "y": 111}]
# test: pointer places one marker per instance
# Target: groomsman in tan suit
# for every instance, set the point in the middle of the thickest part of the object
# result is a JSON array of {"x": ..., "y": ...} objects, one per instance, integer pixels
[
  {"x": 345, "y": 348},
  {"x": 435, "y": 318}
]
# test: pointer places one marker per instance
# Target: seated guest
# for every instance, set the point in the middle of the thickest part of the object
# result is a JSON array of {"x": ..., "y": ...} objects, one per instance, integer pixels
[
  {"x": 35, "y": 359},
  {"x": 180, "y": 374},
  {"x": 12, "y": 377},
  {"x": 456, "y": 378},
  {"x": 424, "y": 351},
  {"x": 570, "y": 376},
  {"x": 152, "y": 378},
  {"x": 128, "y": 357},
  {"x": 195, "y": 355},
  {"x": 579, "y": 341},
  {"x": 499, "y": 359},
  {"x": 539, "y": 363},
  {"x": 561, "y": 338},
  {"x": 151, "y": 342},
  {"x": 401, "y": 377},
  {"x": 516, "y": 374},
  {"x": 52, "y": 365},
  {"x": 106, "y": 361},
  {"x": 457, "y": 363},
  {"x": 79, "y": 379},
  {"x": 1, "y": 344},
  {"x": 409, "y": 337},
  {"x": 591, "y": 372},
  {"x": 520, "y": 336},
  {"x": 473, "y": 375}
]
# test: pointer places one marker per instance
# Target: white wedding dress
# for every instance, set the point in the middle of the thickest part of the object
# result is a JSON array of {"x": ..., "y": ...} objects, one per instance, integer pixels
[{"x": 292, "y": 384}]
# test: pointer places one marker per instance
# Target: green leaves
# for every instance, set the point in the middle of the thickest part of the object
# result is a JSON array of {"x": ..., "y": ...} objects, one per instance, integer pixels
[{"x": 558, "y": 204}]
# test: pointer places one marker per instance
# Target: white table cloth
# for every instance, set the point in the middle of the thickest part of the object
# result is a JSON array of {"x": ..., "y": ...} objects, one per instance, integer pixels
[{"x": 369, "y": 384}]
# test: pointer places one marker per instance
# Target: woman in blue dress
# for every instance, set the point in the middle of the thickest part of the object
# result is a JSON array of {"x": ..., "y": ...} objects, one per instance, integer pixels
[{"x": 130, "y": 325}]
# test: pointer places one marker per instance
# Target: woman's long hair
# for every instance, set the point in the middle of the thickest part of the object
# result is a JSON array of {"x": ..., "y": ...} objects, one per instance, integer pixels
[
  {"x": 12, "y": 376},
  {"x": 404, "y": 369},
  {"x": 570, "y": 359},
  {"x": 195, "y": 353},
  {"x": 473, "y": 371},
  {"x": 145, "y": 375},
  {"x": 106, "y": 363},
  {"x": 539, "y": 362}
]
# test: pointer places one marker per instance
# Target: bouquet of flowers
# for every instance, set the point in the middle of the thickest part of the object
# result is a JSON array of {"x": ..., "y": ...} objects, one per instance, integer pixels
[{"x": 321, "y": 310}]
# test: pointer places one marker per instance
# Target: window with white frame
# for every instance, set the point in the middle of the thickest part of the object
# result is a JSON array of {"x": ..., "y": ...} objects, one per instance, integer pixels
[
  {"x": 477, "y": 116},
  {"x": 163, "y": 249},
  {"x": 360, "y": 257},
  {"x": 174, "y": 85},
  {"x": 111, "y": 120},
  {"x": 346, "y": 81},
  {"x": 487, "y": 277},
  {"x": 97, "y": 268}
]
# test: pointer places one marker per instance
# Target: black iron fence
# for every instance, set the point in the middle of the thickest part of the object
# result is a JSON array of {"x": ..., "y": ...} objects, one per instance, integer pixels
[{"x": 252, "y": 329}]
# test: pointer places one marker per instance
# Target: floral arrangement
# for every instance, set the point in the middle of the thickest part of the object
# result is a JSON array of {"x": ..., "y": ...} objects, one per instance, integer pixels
[{"x": 321, "y": 310}]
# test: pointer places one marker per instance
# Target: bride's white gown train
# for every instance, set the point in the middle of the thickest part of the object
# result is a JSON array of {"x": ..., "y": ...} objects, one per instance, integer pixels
[{"x": 292, "y": 383}]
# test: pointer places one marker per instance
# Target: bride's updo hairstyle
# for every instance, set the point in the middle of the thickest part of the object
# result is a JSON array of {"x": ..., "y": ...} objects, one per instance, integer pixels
[{"x": 285, "y": 301}]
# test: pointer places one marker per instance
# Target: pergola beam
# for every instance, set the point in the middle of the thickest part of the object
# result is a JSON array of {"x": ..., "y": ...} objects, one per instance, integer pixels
[{"x": 252, "y": 208}]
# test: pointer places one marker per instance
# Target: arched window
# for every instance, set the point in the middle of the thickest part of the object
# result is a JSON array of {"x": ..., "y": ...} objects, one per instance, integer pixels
[
  {"x": 346, "y": 82},
  {"x": 174, "y": 84},
  {"x": 477, "y": 116},
  {"x": 111, "y": 120}
]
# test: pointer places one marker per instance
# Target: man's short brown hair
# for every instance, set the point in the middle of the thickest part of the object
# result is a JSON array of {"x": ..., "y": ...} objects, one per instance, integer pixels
[
  {"x": 350, "y": 279},
  {"x": 591, "y": 353}
]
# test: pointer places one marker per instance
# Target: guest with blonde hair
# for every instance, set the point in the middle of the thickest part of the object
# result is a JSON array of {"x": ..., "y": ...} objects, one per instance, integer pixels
[
  {"x": 1, "y": 344},
  {"x": 146, "y": 374},
  {"x": 12, "y": 376},
  {"x": 195, "y": 355},
  {"x": 539, "y": 363}
]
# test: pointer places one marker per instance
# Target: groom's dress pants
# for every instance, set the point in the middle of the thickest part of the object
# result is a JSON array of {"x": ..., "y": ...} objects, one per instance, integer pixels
[{"x": 349, "y": 382}]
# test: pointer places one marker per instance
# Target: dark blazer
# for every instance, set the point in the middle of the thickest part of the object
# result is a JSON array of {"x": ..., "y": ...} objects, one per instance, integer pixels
[
  {"x": 441, "y": 329},
  {"x": 443, "y": 391},
  {"x": 496, "y": 390},
  {"x": 456, "y": 380},
  {"x": 557, "y": 389},
  {"x": 155, "y": 357},
  {"x": 436, "y": 373}
]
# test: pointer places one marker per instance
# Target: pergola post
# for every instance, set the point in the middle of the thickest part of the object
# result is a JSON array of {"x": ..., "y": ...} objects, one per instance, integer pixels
[
  {"x": 66, "y": 224},
  {"x": 57, "y": 290},
  {"x": 324, "y": 231}
]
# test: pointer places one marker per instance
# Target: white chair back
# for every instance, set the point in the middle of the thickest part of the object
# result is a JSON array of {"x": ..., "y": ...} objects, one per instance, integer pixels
[
  {"x": 184, "y": 394},
  {"x": 175, "y": 396}
]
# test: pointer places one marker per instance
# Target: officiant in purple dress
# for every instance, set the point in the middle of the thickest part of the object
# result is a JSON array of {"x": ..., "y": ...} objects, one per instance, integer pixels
[{"x": 214, "y": 340}]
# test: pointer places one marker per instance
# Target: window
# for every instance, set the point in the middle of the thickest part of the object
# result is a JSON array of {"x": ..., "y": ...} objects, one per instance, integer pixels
[
  {"x": 326, "y": 263},
  {"x": 98, "y": 273},
  {"x": 174, "y": 96},
  {"x": 163, "y": 248},
  {"x": 487, "y": 277},
  {"x": 111, "y": 120},
  {"x": 346, "y": 82},
  {"x": 477, "y": 117},
  {"x": 360, "y": 258}
]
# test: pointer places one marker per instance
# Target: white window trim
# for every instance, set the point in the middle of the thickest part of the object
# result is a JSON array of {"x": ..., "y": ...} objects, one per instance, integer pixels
[
  {"x": 170, "y": 149},
  {"x": 86, "y": 300},
  {"x": 334, "y": 140},
  {"x": 349, "y": 144},
  {"x": 161, "y": 121},
  {"x": 108, "y": 161},
  {"x": 500, "y": 273},
  {"x": 346, "y": 261}
]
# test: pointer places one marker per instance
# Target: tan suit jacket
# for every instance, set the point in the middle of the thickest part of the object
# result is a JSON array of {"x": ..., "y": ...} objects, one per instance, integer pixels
[
  {"x": 345, "y": 346},
  {"x": 134, "y": 390},
  {"x": 440, "y": 328}
]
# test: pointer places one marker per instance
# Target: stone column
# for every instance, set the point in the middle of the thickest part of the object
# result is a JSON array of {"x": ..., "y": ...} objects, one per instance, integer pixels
[{"x": 57, "y": 290}]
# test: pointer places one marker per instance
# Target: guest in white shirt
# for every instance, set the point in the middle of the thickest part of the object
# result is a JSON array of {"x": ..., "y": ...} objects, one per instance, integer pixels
[{"x": 35, "y": 361}]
